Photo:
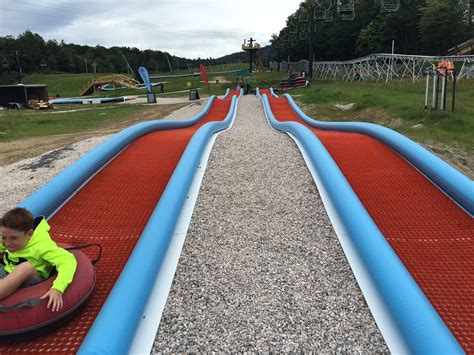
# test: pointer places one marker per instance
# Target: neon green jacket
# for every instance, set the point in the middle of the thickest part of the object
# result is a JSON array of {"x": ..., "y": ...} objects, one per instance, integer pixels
[{"x": 43, "y": 253}]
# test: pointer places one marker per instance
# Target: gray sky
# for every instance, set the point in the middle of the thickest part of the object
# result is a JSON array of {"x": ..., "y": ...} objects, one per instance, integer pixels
[{"x": 187, "y": 28}]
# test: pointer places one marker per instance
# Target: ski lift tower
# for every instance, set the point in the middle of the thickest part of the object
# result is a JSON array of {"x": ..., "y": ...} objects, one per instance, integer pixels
[
  {"x": 315, "y": 13},
  {"x": 311, "y": 29},
  {"x": 253, "y": 48}
]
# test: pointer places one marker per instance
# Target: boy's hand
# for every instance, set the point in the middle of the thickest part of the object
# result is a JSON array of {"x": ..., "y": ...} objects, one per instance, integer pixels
[{"x": 55, "y": 299}]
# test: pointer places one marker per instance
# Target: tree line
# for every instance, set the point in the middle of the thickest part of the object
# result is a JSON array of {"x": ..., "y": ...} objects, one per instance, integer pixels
[
  {"x": 30, "y": 52},
  {"x": 424, "y": 27}
]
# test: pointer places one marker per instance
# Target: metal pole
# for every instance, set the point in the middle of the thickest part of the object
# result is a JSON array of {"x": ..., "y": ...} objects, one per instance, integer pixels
[
  {"x": 427, "y": 89},
  {"x": 310, "y": 38},
  {"x": 454, "y": 89},
  {"x": 434, "y": 105},
  {"x": 128, "y": 65},
  {"x": 251, "y": 40},
  {"x": 250, "y": 60},
  {"x": 171, "y": 68},
  {"x": 391, "y": 63},
  {"x": 19, "y": 67},
  {"x": 278, "y": 59},
  {"x": 444, "y": 86}
]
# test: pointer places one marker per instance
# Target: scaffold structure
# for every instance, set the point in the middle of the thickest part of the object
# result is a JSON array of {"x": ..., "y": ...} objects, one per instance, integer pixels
[{"x": 384, "y": 67}]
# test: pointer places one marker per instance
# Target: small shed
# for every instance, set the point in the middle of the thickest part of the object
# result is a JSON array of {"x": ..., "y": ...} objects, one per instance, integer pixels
[{"x": 21, "y": 94}]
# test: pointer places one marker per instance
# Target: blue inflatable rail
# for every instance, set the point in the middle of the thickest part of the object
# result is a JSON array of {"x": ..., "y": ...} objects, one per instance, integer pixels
[
  {"x": 114, "y": 328},
  {"x": 458, "y": 186},
  {"x": 53, "y": 194},
  {"x": 417, "y": 321}
]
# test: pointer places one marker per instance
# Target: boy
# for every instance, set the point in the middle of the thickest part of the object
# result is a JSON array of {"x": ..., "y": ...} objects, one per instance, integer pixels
[{"x": 29, "y": 256}]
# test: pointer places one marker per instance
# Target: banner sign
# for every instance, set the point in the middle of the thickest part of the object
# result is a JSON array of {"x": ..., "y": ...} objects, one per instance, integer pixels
[
  {"x": 146, "y": 78},
  {"x": 204, "y": 76}
]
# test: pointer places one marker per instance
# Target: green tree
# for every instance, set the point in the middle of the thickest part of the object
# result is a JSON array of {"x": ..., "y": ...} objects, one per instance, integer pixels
[
  {"x": 66, "y": 61},
  {"x": 442, "y": 25},
  {"x": 370, "y": 39}
]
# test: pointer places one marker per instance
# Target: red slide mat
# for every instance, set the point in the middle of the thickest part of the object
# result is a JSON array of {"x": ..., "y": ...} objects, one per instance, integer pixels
[
  {"x": 112, "y": 209},
  {"x": 430, "y": 233}
]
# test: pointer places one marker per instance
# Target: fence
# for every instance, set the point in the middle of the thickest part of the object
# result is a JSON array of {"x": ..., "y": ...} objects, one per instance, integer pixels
[{"x": 381, "y": 67}]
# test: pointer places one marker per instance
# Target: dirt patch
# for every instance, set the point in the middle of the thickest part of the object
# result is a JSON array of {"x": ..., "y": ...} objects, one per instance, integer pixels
[
  {"x": 19, "y": 149},
  {"x": 334, "y": 114},
  {"x": 456, "y": 157},
  {"x": 222, "y": 80},
  {"x": 46, "y": 160}
]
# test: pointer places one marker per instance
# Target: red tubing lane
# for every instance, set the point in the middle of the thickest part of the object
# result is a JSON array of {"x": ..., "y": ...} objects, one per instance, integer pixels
[
  {"x": 430, "y": 233},
  {"x": 112, "y": 209}
]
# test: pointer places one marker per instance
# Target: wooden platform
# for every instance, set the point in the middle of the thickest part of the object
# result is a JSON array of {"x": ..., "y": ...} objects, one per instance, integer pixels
[
  {"x": 464, "y": 48},
  {"x": 116, "y": 79}
]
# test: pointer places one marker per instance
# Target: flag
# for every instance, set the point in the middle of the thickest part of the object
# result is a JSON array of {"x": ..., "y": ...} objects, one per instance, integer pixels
[
  {"x": 146, "y": 79},
  {"x": 204, "y": 76}
]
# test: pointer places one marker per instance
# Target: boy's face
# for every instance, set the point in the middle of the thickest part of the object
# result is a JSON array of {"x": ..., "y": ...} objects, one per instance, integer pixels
[{"x": 14, "y": 240}]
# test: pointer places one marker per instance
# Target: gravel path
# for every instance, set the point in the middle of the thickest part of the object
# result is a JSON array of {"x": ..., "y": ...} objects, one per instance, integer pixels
[{"x": 261, "y": 268}]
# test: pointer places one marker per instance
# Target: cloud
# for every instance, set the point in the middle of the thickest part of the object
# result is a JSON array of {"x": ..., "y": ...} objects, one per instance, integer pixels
[{"x": 189, "y": 28}]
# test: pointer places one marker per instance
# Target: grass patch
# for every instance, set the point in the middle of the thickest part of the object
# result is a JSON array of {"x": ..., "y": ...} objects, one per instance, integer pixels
[
  {"x": 17, "y": 124},
  {"x": 398, "y": 105},
  {"x": 61, "y": 85}
]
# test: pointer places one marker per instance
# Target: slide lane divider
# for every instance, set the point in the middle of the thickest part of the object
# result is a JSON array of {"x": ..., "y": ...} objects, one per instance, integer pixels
[
  {"x": 151, "y": 318},
  {"x": 413, "y": 316},
  {"x": 114, "y": 328}
]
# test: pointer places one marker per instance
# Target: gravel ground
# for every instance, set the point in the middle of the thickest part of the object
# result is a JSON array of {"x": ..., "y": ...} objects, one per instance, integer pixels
[
  {"x": 21, "y": 179},
  {"x": 261, "y": 268}
]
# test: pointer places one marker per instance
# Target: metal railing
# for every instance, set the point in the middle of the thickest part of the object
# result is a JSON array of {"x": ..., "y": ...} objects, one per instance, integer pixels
[{"x": 381, "y": 67}]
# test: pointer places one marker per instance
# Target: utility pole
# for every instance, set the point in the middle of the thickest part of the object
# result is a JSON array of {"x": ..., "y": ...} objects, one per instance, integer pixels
[
  {"x": 278, "y": 57},
  {"x": 128, "y": 65},
  {"x": 95, "y": 67},
  {"x": 18, "y": 67},
  {"x": 276, "y": 45},
  {"x": 470, "y": 16},
  {"x": 311, "y": 29},
  {"x": 85, "y": 60},
  {"x": 169, "y": 64},
  {"x": 251, "y": 40}
]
